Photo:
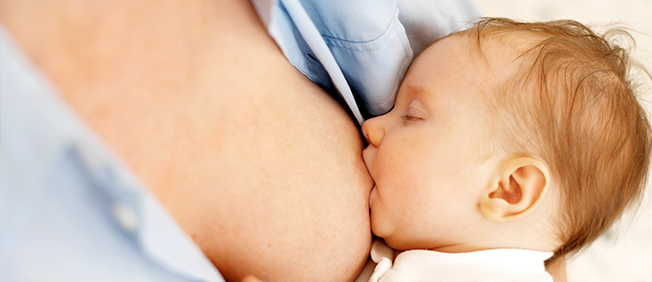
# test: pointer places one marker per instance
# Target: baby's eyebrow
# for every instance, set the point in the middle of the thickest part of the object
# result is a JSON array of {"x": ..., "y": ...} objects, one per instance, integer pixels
[
  {"x": 425, "y": 96},
  {"x": 417, "y": 90}
]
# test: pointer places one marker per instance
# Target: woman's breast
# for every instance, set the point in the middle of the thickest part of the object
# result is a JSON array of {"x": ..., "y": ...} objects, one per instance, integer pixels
[{"x": 289, "y": 189}]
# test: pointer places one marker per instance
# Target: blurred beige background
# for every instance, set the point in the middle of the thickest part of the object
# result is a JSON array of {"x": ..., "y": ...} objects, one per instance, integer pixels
[{"x": 624, "y": 254}]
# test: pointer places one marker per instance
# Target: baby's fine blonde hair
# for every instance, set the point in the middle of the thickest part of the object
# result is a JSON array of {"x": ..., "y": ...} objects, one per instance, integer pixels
[{"x": 574, "y": 107}]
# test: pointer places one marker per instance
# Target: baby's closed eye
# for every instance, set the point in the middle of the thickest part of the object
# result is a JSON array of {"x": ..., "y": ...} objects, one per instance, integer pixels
[{"x": 411, "y": 118}]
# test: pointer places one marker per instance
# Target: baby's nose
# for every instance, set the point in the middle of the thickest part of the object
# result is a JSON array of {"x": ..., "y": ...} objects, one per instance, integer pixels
[{"x": 373, "y": 132}]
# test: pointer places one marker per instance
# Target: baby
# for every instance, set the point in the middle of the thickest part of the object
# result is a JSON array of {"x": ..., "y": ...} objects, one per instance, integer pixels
[{"x": 510, "y": 144}]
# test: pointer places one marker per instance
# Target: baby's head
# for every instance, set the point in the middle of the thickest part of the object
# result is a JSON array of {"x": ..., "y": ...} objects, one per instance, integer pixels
[{"x": 508, "y": 135}]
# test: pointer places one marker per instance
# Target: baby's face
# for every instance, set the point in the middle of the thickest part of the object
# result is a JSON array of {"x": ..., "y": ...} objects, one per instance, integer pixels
[{"x": 427, "y": 155}]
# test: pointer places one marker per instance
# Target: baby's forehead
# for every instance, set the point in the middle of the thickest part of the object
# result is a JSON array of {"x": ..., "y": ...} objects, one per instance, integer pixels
[{"x": 495, "y": 57}]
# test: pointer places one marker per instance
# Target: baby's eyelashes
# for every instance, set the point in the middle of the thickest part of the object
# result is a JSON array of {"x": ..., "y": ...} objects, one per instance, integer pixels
[
  {"x": 409, "y": 117},
  {"x": 415, "y": 111}
]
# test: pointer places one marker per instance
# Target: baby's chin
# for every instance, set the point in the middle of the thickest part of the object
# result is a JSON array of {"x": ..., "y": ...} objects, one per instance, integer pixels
[
  {"x": 382, "y": 225},
  {"x": 381, "y": 228},
  {"x": 392, "y": 243},
  {"x": 394, "y": 239}
]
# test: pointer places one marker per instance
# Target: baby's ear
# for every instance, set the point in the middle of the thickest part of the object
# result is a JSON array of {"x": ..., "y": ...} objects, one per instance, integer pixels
[{"x": 516, "y": 190}]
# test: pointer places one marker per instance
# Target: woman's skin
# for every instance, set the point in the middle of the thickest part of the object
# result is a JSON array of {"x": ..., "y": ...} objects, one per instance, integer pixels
[{"x": 257, "y": 164}]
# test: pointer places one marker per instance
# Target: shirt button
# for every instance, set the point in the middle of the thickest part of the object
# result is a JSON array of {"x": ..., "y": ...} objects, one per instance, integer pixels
[{"x": 125, "y": 216}]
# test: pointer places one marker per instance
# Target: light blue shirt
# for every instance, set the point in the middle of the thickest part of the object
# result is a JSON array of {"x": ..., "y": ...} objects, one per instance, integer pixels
[
  {"x": 361, "y": 49},
  {"x": 71, "y": 211}
]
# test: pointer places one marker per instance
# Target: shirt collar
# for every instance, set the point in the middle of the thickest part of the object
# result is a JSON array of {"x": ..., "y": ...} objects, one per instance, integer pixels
[{"x": 498, "y": 263}]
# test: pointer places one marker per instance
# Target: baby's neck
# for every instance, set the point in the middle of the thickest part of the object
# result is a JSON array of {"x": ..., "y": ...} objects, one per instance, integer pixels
[{"x": 523, "y": 234}]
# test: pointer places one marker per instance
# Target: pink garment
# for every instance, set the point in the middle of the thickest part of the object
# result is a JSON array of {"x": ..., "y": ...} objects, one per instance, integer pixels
[{"x": 513, "y": 265}]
